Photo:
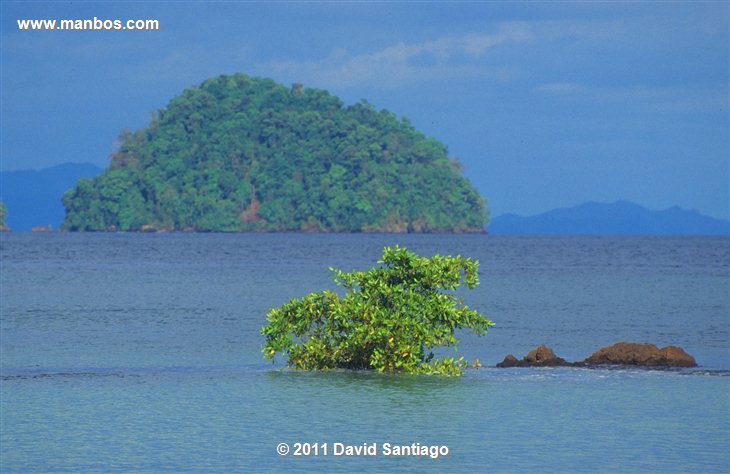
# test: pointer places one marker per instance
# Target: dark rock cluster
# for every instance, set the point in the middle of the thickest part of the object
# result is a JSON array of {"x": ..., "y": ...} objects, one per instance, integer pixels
[
  {"x": 625, "y": 353},
  {"x": 542, "y": 356},
  {"x": 622, "y": 353}
]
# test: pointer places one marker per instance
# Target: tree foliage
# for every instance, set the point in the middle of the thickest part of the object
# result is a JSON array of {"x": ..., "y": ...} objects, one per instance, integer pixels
[
  {"x": 390, "y": 318},
  {"x": 245, "y": 154},
  {"x": 3, "y": 214}
]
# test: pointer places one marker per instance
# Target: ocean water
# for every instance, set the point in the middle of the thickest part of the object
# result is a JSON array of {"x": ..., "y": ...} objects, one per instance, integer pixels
[{"x": 141, "y": 352}]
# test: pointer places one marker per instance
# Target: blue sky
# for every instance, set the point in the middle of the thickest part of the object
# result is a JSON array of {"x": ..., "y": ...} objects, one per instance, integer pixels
[{"x": 546, "y": 104}]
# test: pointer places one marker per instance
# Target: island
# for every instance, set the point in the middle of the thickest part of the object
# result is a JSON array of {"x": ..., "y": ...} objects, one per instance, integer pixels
[
  {"x": 617, "y": 218},
  {"x": 239, "y": 154},
  {"x": 3, "y": 213},
  {"x": 34, "y": 195}
]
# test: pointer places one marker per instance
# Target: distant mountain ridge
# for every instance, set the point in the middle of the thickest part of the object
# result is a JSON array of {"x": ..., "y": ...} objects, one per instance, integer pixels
[
  {"x": 617, "y": 218},
  {"x": 33, "y": 197}
]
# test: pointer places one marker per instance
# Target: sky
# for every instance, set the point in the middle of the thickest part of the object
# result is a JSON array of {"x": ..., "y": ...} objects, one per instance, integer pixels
[{"x": 547, "y": 104}]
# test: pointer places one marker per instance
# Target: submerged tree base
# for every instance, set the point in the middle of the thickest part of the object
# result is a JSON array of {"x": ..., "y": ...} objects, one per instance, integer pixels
[{"x": 389, "y": 320}]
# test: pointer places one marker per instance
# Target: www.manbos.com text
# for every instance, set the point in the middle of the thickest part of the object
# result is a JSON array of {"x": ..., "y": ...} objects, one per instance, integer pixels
[{"x": 88, "y": 24}]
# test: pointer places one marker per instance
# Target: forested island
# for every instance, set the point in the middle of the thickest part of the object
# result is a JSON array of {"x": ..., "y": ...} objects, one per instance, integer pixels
[
  {"x": 3, "y": 213},
  {"x": 239, "y": 154}
]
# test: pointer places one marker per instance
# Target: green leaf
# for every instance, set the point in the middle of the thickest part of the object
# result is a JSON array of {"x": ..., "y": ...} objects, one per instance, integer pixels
[{"x": 386, "y": 320}]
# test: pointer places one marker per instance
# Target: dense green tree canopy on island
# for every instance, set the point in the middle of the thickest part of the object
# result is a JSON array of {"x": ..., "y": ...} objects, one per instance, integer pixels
[{"x": 245, "y": 154}]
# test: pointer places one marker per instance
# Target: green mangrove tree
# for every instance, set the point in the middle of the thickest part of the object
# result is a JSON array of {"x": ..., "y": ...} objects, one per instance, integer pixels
[{"x": 390, "y": 318}]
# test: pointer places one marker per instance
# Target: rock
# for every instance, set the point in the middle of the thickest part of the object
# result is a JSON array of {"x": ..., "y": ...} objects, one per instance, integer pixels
[
  {"x": 625, "y": 353},
  {"x": 509, "y": 361},
  {"x": 678, "y": 357},
  {"x": 542, "y": 356}
]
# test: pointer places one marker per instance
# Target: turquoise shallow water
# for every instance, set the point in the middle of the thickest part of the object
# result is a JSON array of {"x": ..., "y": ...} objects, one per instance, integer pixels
[
  {"x": 563, "y": 420},
  {"x": 141, "y": 353}
]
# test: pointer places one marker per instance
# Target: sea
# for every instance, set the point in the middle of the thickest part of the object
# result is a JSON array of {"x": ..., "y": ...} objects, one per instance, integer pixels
[{"x": 142, "y": 353}]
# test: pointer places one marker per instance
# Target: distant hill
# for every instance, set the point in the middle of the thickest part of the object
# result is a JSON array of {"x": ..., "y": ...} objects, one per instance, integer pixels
[
  {"x": 239, "y": 154},
  {"x": 618, "y": 218},
  {"x": 33, "y": 198}
]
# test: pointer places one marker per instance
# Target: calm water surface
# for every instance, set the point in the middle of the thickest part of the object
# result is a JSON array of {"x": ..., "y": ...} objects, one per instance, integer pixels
[{"x": 141, "y": 353}]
